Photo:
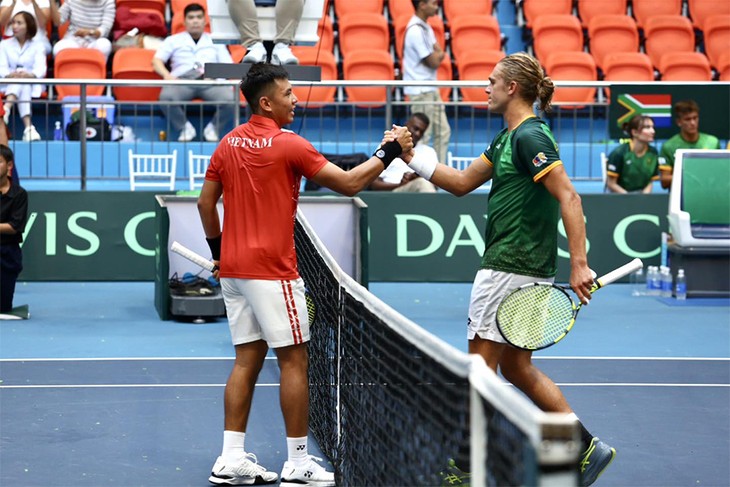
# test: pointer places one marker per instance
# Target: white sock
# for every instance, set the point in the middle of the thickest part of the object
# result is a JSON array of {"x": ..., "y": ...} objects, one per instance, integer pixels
[
  {"x": 297, "y": 450},
  {"x": 233, "y": 445}
]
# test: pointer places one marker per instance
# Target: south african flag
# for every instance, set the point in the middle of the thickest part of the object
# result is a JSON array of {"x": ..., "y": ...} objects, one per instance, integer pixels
[{"x": 658, "y": 107}]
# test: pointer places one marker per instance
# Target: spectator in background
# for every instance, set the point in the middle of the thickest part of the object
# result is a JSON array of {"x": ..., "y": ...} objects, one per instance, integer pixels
[
  {"x": 633, "y": 166},
  {"x": 3, "y": 125},
  {"x": 288, "y": 15},
  {"x": 39, "y": 9},
  {"x": 687, "y": 117},
  {"x": 422, "y": 56},
  {"x": 22, "y": 56},
  {"x": 13, "y": 217},
  {"x": 187, "y": 53},
  {"x": 399, "y": 177},
  {"x": 90, "y": 22}
]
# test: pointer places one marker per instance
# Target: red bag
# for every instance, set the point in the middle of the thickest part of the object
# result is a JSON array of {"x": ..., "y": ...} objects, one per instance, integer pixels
[{"x": 148, "y": 23}]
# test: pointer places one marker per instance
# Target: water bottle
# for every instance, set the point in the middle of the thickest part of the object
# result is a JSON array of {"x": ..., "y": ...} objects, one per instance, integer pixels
[
  {"x": 666, "y": 283},
  {"x": 680, "y": 289},
  {"x": 654, "y": 284},
  {"x": 57, "y": 132},
  {"x": 638, "y": 287}
]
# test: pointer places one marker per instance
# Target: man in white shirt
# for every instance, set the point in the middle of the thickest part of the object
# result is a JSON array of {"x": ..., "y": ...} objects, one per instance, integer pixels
[
  {"x": 399, "y": 177},
  {"x": 187, "y": 54},
  {"x": 422, "y": 56}
]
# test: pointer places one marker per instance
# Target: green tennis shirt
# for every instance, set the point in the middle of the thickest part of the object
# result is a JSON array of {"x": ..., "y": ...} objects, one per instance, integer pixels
[
  {"x": 634, "y": 172},
  {"x": 522, "y": 224},
  {"x": 705, "y": 141}
]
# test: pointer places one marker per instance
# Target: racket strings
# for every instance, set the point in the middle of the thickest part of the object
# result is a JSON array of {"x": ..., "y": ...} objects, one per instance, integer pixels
[{"x": 535, "y": 316}]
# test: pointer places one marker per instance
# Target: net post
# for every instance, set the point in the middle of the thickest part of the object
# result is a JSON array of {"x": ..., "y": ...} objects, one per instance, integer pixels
[
  {"x": 557, "y": 455},
  {"x": 477, "y": 430}
]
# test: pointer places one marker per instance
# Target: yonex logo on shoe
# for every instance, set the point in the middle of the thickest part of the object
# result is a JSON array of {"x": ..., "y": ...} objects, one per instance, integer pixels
[{"x": 308, "y": 474}]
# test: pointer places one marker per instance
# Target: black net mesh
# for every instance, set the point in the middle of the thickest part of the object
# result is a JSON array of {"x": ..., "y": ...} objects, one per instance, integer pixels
[{"x": 384, "y": 411}]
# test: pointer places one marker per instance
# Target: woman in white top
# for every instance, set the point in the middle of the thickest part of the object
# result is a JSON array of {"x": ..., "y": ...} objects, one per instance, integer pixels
[
  {"x": 22, "y": 56},
  {"x": 40, "y": 9}
]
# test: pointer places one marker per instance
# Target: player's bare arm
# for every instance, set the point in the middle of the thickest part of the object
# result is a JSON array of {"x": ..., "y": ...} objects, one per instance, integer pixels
[
  {"x": 571, "y": 209},
  {"x": 351, "y": 182}
]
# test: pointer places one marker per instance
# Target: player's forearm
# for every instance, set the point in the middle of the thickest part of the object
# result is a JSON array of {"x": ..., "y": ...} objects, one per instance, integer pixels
[{"x": 575, "y": 228}]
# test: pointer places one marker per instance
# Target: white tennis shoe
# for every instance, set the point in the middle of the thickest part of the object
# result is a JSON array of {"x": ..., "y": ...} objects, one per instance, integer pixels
[
  {"x": 309, "y": 474},
  {"x": 245, "y": 472}
]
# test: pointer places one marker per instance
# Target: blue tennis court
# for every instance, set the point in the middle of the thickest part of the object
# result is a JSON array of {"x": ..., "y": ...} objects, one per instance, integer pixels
[{"x": 96, "y": 390}]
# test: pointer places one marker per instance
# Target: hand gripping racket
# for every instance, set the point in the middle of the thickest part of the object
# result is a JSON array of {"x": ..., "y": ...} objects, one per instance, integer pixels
[
  {"x": 196, "y": 258},
  {"x": 540, "y": 314}
]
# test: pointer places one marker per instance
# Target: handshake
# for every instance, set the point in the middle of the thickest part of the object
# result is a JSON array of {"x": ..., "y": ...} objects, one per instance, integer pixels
[{"x": 402, "y": 136}]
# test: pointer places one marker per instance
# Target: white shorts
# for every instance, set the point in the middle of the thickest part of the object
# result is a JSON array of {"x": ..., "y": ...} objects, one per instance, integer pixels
[
  {"x": 488, "y": 290},
  {"x": 273, "y": 311}
]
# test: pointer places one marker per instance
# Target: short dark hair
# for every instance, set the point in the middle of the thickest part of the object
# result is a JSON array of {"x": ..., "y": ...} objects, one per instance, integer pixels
[
  {"x": 6, "y": 152},
  {"x": 30, "y": 24},
  {"x": 635, "y": 123},
  {"x": 193, "y": 7},
  {"x": 416, "y": 3},
  {"x": 259, "y": 78},
  {"x": 685, "y": 107},
  {"x": 422, "y": 117}
]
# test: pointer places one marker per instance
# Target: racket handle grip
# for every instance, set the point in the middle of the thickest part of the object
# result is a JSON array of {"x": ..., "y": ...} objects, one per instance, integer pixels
[
  {"x": 192, "y": 256},
  {"x": 622, "y": 271}
]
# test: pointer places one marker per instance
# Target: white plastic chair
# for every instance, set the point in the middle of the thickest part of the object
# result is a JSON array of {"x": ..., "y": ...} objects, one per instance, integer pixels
[
  {"x": 604, "y": 169},
  {"x": 460, "y": 163},
  {"x": 197, "y": 166},
  {"x": 152, "y": 170}
]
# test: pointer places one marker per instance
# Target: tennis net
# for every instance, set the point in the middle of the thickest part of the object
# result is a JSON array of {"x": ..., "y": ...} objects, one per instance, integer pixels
[{"x": 391, "y": 404}]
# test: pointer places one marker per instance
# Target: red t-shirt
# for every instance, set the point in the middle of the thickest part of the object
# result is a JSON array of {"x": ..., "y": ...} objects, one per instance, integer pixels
[{"x": 260, "y": 167}]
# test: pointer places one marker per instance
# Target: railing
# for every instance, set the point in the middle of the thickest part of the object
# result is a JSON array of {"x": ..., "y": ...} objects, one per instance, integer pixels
[{"x": 338, "y": 127}]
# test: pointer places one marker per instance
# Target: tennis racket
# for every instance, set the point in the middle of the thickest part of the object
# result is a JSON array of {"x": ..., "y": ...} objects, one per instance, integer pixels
[
  {"x": 540, "y": 314},
  {"x": 196, "y": 258},
  {"x": 193, "y": 257}
]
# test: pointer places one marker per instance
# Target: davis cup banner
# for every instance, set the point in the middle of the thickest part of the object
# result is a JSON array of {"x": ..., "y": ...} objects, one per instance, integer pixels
[{"x": 657, "y": 99}]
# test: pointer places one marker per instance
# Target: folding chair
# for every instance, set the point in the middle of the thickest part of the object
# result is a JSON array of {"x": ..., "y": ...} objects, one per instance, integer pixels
[
  {"x": 460, "y": 163},
  {"x": 152, "y": 170},
  {"x": 197, "y": 166}
]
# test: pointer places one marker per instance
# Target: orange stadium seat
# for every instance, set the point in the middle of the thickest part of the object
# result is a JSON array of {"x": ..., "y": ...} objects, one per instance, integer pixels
[
  {"x": 699, "y": 10},
  {"x": 643, "y": 9},
  {"x": 553, "y": 33},
  {"x": 135, "y": 63},
  {"x": 627, "y": 66},
  {"x": 346, "y": 7},
  {"x": 363, "y": 31},
  {"x": 326, "y": 34},
  {"x": 316, "y": 95},
  {"x": 179, "y": 5},
  {"x": 367, "y": 64},
  {"x": 445, "y": 73},
  {"x": 723, "y": 66},
  {"x": 587, "y": 9},
  {"x": 572, "y": 66},
  {"x": 685, "y": 66},
  {"x": 398, "y": 8},
  {"x": 399, "y": 29},
  {"x": 158, "y": 5},
  {"x": 612, "y": 33},
  {"x": 667, "y": 33},
  {"x": 474, "y": 31},
  {"x": 79, "y": 63},
  {"x": 477, "y": 65},
  {"x": 716, "y": 31},
  {"x": 457, "y": 8},
  {"x": 532, "y": 9}
]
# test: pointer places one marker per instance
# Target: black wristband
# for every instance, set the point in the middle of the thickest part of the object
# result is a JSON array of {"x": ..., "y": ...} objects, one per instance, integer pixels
[
  {"x": 215, "y": 246},
  {"x": 388, "y": 152}
]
